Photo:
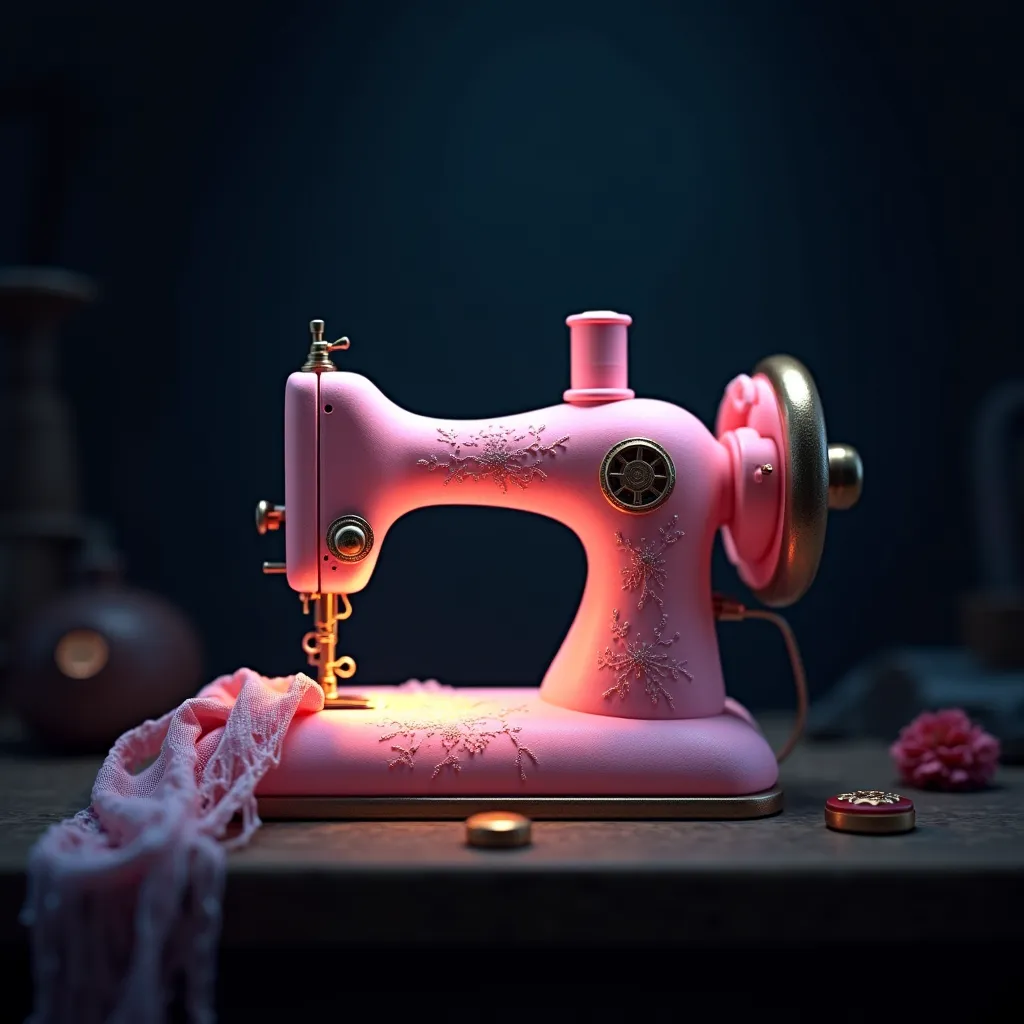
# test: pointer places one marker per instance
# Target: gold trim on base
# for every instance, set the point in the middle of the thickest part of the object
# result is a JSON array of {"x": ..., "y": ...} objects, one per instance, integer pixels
[
  {"x": 540, "y": 808},
  {"x": 871, "y": 824}
]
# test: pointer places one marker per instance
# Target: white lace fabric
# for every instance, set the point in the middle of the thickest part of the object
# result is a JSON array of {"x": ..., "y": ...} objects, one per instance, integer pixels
[{"x": 124, "y": 899}]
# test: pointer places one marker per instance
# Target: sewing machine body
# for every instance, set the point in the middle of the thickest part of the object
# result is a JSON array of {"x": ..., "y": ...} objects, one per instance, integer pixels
[
  {"x": 380, "y": 462},
  {"x": 634, "y": 704}
]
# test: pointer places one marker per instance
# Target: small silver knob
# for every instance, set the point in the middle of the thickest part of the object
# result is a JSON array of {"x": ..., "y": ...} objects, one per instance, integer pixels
[
  {"x": 269, "y": 517},
  {"x": 845, "y": 476},
  {"x": 350, "y": 538}
]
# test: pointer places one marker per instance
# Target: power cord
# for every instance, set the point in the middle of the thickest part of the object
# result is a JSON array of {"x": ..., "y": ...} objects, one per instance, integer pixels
[{"x": 728, "y": 609}]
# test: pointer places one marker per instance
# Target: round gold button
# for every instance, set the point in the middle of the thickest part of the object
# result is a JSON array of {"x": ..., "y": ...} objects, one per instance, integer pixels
[{"x": 498, "y": 829}]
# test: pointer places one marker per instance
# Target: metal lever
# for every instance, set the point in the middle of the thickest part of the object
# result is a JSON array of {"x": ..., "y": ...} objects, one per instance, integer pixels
[
  {"x": 274, "y": 568},
  {"x": 319, "y": 358},
  {"x": 269, "y": 517}
]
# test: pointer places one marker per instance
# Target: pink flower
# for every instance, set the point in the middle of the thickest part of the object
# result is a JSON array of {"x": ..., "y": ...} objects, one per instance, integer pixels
[{"x": 945, "y": 750}]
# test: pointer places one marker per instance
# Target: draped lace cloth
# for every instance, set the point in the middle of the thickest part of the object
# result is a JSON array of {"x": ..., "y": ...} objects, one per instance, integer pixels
[{"x": 124, "y": 899}]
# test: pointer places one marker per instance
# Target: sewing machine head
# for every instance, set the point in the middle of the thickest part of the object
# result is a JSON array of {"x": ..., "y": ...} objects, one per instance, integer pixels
[{"x": 643, "y": 483}]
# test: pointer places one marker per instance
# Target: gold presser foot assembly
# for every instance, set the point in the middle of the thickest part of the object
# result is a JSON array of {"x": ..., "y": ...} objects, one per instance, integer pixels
[{"x": 320, "y": 644}]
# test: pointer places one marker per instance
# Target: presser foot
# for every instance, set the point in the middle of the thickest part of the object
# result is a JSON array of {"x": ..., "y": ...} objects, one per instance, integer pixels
[
  {"x": 348, "y": 702},
  {"x": 539, "y": 808}
]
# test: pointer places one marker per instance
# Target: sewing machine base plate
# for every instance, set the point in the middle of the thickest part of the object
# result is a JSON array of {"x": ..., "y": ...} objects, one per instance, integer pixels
[
  {"x": 424, "y": 751},
  {"x": 540, "y": 808}
]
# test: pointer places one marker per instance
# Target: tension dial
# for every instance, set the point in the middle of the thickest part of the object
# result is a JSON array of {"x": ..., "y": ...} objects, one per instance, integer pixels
[
  {"x": 637, "y": 475},
  {"x": 349, "y": 538}
]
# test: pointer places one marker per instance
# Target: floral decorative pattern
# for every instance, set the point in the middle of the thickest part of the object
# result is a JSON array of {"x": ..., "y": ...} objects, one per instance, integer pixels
[
  {"x": 636, "y": 658},
  {"x": 646, "y": 570},
  {"x": 463, "y": 731},
  {"x": 874, "y": 797},
  {"x": 498, "y": 454}
]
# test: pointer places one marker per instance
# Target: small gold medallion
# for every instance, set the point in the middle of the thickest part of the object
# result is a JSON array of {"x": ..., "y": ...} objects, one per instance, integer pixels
[
  {"x": 874, "y": 797},
  {"x": 870, "y": 812}
]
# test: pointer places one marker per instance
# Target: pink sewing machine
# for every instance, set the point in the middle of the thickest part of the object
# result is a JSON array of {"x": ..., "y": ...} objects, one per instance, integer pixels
[{"x": 631, "y": 719}]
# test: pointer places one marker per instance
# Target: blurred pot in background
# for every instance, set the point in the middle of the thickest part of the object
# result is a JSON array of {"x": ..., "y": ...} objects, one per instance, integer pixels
[{"x": 99, "y": 659}]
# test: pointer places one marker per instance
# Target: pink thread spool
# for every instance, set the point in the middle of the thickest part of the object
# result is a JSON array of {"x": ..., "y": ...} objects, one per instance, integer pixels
[{"x": 599, "y": 354}]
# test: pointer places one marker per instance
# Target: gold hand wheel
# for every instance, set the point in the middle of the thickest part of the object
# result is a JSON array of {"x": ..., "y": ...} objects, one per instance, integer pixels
[{"x": 818, "y": 477}]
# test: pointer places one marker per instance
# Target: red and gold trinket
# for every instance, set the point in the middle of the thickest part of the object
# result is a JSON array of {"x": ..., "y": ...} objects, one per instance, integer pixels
[{"x": 870, "y": 812}]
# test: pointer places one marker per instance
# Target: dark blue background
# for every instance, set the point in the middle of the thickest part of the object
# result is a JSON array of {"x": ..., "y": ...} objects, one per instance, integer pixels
[{"x": 444, "y": 182}]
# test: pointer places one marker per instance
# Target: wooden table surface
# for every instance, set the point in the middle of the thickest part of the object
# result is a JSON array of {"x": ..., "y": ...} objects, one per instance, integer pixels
[{"x": 961, "y": 873}]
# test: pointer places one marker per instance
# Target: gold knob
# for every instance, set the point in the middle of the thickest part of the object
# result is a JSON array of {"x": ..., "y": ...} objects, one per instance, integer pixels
[
  {"x": 845, "y": 476},
  {"x": 498, "y": 830},
  {"x": 269, "y": 517},
  {"x": 349, "y": 538},
  {"x": 274, "y": 568}
]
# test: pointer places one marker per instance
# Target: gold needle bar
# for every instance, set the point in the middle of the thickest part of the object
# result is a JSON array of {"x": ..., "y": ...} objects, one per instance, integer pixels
[{"x": 321, "y": 648}]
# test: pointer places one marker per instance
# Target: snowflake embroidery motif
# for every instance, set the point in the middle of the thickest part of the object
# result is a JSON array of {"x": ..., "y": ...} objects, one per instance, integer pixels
[
  {"x": 634, "y": 659},
  {"x": 467, "y": 734},
  {"x": 500, "y": 456},
  {"x": 646, "y": 570},
  {"x": 641, "y": 659}
]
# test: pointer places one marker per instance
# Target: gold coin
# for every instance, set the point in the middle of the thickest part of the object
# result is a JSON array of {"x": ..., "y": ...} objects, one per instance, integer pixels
[{"x": 498, "y": 829}]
